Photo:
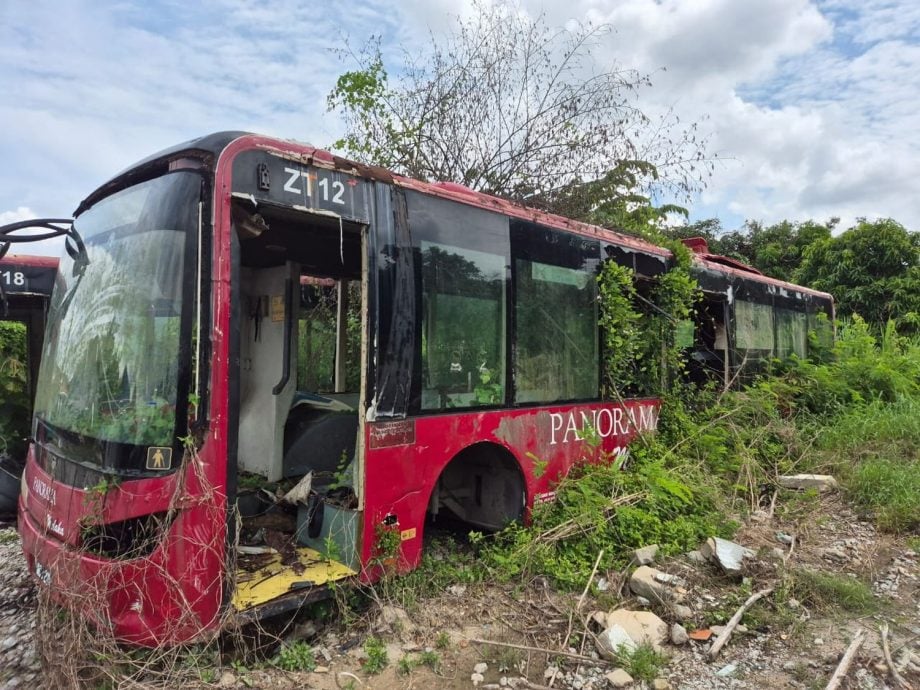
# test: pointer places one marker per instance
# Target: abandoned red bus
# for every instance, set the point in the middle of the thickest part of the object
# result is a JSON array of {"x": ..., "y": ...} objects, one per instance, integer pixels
[{"x": 266, "y": 354}]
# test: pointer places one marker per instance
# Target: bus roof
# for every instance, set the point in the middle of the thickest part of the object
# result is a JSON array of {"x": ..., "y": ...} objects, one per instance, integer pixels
[
  {"x": 212, "y": 145},
  {"x": 49, "y": 262}
]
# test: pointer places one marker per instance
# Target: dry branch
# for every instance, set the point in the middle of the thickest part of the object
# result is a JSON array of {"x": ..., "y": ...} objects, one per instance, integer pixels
[
  {"x": 886, "y": 650},
  {"x": 841, "y": 671},
  {"x": 569, "y": 528},
  {"x": 733, "y": 623}
]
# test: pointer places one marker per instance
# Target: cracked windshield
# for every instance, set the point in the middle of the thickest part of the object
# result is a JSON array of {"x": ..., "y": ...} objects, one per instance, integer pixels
[{"x": 111, "y": 362}]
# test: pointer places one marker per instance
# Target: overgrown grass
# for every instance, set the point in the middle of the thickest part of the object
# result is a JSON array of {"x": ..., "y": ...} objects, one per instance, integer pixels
[
  {"x": 824, "y": 591},
  {"x": 856, "y": 413},
  {"x": 600, "y": 507},
  {"x": 890, "y": 490}
]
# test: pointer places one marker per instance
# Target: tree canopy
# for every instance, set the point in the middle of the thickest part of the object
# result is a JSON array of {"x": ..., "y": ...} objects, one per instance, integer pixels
[
  {"x": 508, "y": 105},
  {"x": 872, "y": 269}
]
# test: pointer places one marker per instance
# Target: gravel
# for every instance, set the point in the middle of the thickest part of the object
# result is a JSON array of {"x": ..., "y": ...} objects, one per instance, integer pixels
[{"x": 19, "y": 664}]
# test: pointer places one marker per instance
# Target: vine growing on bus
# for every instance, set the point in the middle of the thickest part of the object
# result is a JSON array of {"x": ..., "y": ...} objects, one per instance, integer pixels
[{"x": 641, "y": 349}]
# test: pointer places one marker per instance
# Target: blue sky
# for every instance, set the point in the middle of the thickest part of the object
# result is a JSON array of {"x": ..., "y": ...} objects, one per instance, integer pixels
[{"x": 813, "y": 106}]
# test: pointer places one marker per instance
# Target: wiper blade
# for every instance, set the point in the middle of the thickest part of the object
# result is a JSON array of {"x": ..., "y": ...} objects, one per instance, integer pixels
[{"x": 11, "y": 234}]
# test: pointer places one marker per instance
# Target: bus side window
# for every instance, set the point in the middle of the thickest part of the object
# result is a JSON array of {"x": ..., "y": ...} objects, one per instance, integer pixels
[
  {"x": 557, "y": 340},
  {"x": 463, "y": 327}
]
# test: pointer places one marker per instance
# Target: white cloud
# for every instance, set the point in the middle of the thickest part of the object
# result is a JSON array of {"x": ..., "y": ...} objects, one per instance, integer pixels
[
  {"x": 16, "y": 215},
  {"x": 813, "y": 104}
]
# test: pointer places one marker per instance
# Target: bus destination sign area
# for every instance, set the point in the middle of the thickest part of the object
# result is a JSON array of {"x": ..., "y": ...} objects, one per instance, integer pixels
[
  {"x": 26, "y": 279},
  {"x": 268, "y": 178}
]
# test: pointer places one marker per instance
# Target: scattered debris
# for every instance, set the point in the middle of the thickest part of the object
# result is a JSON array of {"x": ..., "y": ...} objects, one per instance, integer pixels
[
  {"x": 784, "y": 538},
  {"x": 700, "y": 635},
  {"x": 726, "y": 671},
  {"x": 727, "y": 554}
]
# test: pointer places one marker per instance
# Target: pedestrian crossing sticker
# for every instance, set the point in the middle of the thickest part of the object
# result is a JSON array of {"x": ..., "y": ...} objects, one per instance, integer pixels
[{"x": 159, "y": 458}]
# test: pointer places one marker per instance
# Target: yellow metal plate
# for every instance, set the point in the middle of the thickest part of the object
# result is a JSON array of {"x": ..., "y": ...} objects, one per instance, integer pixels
[{"x": 274, "y": 579}]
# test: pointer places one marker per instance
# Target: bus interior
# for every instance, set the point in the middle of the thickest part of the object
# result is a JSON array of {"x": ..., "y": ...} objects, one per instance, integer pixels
[{"x": 301, "y": 308}]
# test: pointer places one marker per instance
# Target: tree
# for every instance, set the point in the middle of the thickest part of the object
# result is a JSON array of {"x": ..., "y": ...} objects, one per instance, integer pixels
[
  {"x": 509, "y": 106},
  {"x": 775, "y": 250},
  {"x": 872, "y": 269}
]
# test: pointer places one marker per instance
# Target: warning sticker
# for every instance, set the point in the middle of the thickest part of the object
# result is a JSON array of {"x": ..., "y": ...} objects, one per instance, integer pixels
[{"x": 159, "y": 458}]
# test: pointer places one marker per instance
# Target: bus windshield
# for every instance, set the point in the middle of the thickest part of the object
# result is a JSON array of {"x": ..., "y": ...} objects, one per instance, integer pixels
[{"x": 111, "y": 361}]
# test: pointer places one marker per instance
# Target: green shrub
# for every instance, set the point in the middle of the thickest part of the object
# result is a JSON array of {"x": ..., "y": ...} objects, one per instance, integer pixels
[
  {"x": 600, "y": 506},
  {"x": 377, "y": 658},
  {"x": 298, "y": 656}
]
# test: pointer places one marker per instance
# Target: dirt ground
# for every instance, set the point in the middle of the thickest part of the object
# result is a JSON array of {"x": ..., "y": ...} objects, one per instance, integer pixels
[{"x": 791, "y": 644}]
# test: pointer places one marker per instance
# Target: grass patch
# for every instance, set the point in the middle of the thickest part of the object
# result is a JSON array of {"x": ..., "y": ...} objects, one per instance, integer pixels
[
  {"x": 642, "y": 662},
  {"x": 889, "y": 489},
  {"x": 298, "y": 656},
  {"x": 377, "y": 658},
  {"x": 825, "y": 591},
  {"x": 428, "y": 658}
]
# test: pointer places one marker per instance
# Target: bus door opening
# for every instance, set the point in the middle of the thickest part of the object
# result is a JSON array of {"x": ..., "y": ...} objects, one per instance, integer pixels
[
  {"x": 708, "y": 359},
  {"x": 301, "y": 325}
]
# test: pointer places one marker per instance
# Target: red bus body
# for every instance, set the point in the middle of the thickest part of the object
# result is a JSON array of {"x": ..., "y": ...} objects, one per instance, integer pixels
[{"x": 179, "y": 590}]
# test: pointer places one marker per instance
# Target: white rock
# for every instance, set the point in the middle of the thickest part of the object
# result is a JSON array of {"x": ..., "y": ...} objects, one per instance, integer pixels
[
  {"x": 618, "y": 678},
  {"x": 612, "y": 640},
  {"x": 646, "y": 555},
  {"x": 821, "y": 482},
  {"x": 481, "y": 667},
  {"x": 645, "y": 582},
  {"x": 643, "y": 627},
  {"x": 679, "y": 634},
  {"x": 726, "y": 553}
]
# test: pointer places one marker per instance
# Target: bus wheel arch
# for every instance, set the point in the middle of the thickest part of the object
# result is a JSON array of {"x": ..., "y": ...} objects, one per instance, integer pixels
[{"x": 483, "y": 485}]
